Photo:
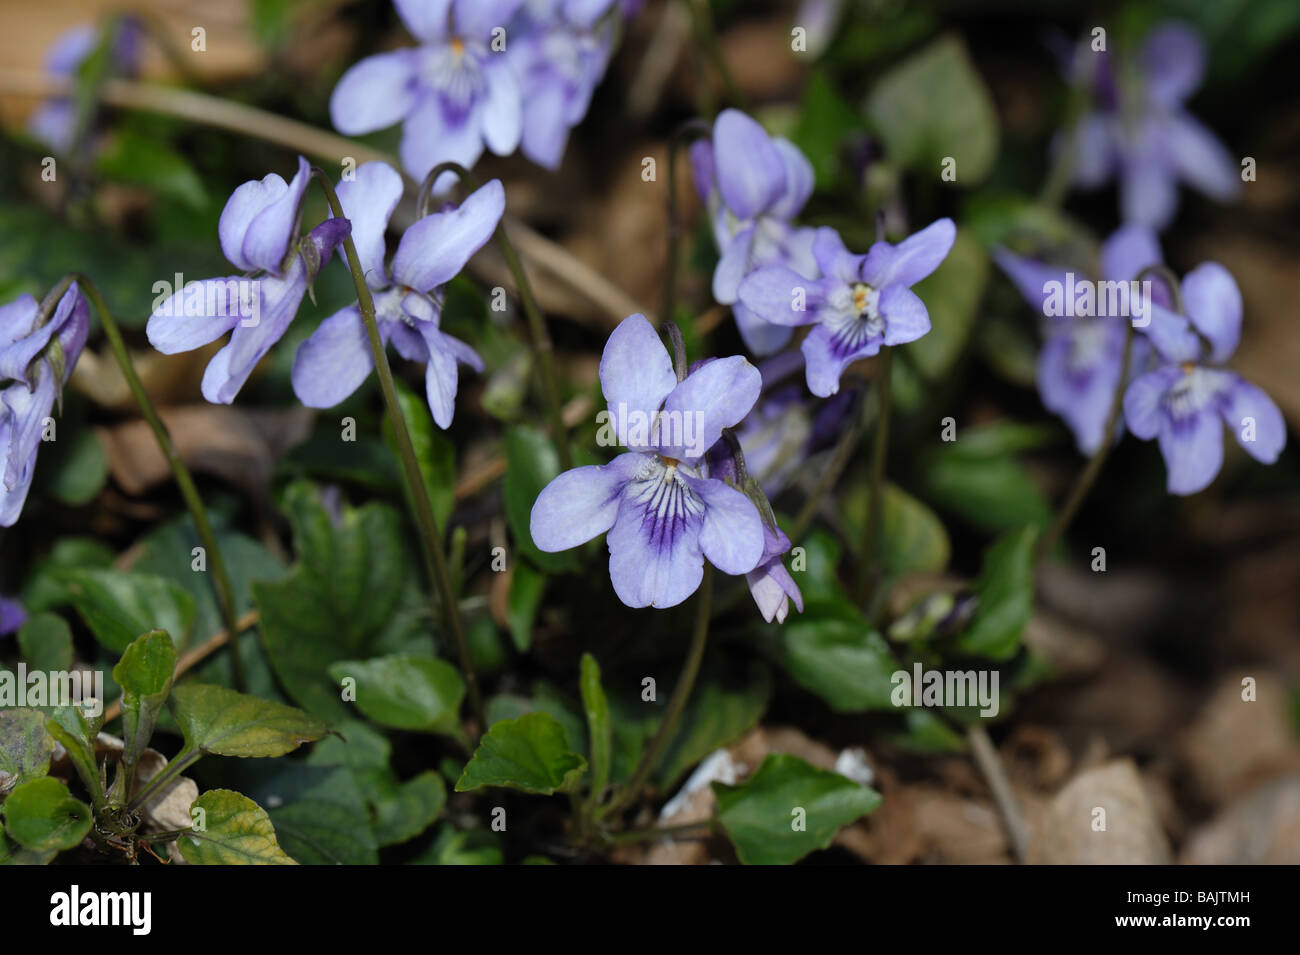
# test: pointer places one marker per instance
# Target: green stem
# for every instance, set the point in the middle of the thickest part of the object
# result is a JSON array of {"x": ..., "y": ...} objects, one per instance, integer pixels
[
  {"x": 702, "y": 828},
  {"x": 1088, "y": 476},
  {"x": 869, "y": 567},
  {"x": 830, "y": 474},
  {"x": 707, "y": 37},
  {"x": 536, "y": 323},
  {"x": 183, "y": 761},
  {"x": 193, "y": 502},
  {"x": 1061, "y": 172},
  {"x": 430, "y": 536},
  {"x": 681, "y": 693}
]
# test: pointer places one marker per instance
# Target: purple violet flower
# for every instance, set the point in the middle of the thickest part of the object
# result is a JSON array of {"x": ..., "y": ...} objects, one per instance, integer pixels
[
  {"x": 770, "y": 584},
  {"x": 54, "y": 122},
  {"x": 257, "y": 235},
  {"x": 753, "y": 186},
  {"x": 12, "y": 616},
  {"x": 36, "y": 362},
  {"x": 453, "y": 94},
  {"x": 861, "y": 303},
  {"x": 1079, "y": 365},
  {"x": 1142, "y": 135},
  {"x": 560, "y": 52},
  {"x": 336, "y": 359},
  {"x": 664, "y": 515},
  {"x": 1181, "y": 403}
]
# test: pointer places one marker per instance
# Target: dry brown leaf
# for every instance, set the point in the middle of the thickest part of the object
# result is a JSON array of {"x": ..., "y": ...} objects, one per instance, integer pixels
[
  {"x": 1262, "y": 828},
  {"x": 1066, "y": 833}
]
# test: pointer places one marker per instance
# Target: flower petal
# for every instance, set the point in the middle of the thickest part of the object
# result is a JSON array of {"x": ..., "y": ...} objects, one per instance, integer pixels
[
  {"x": 334, "y": 361},
  {"x": 581, "y": 504},
  {"x": 477, "y": 18},
  {"x": 1201, "y": 159},
  {"x": 833, "y": 259},
  {"x": 545, "y": 134},
  {"x": 759, "y": 336},
  {"x": 231, "y": 367},
  {"x": 732, "y": 534},
  {"x": 198, "y": 313},
  {"x": 1094, "y": 150},
  {"x": 636, "y": 371},
  {"x": 906, "y": 318},
  {"x": 502, "y": 111},
  {"x": 716, "y": 396},
  {"x": 436, "y": 248},
  {"x": 258, "y": 220},
  {"x": 750, "y": 171},
  {"x": 1148, "y": 191},
  {"x": 799, "y": 180},
  {"x": 1171, "y": 334},
  {"x": 1213, "y": 304},
  {"x": 912, "y": 259},
  {"x": 1144, "y": 401},
  {"x": 654, "y": 545},
  {"x": 1172, "y": 61},
  {"x": 375, "y": 93},
  {"x": 428, "y": 20},
  {"x": 1127, "y": 251},
  {"x": 732, "y": 266},
  {"x": 1193, "y": 450},
  {"x": 824, "y": 362},
  {"x": 431, "y": 135},
  {"x": 774, "y": 293},
  {"x": 1254, "y": 419},
  {"x": 368, "y": 202},
  {"x": 27, "y": 410}
]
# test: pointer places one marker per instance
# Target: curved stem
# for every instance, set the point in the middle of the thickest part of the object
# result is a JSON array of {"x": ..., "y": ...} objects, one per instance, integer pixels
[
  {"x": 193, "y": 502},
  {"x": 536, "y": 323},
  {"x": 690, "y": 130},
  {"x": 1088, "y": 476},
  {"x": 869, "y": 566},
  {"x": 681, "y": 693},
  {"x": 430, "y": 535}
]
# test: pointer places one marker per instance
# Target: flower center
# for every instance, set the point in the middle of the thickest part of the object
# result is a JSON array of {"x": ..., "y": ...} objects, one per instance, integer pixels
[
  {"x": 855, "y": 318},
  {"x": 1192, "y": 392}
]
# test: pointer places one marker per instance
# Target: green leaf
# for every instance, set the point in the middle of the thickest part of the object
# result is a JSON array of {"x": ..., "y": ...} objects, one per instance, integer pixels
[
  {"x": 928, "y": 734},
  {"x": 130, "y": 157},
  {"x": 337, "y": 602},
  {"x": 721, "y": 711},
  {"x": 216, "y": 720},
  {"x": 979, "y": 478},
  {"x": 406, "y": 692},
  {"x": 79, "y": 469},
  {"x": 236, "y": 831},
  {"x": 825, "y": 119},
  {"x": 952, "y": 296},
  {"x": 763, "y": 814},
  {"x": 933, "y": 105},
  {"x": 434, "y": 451},
  {"x": 830, "y": 650},
  {"x": 530, "y": 754},
  {"x": 599, "y": 728},
  {"x": 46, "y": 587},
  {"x": 531, "y": 463},
  {"x": 914, "y": 539},
  {"x": 46, "y": 642},
  {"x": 41, "y": 815},
  {"x": 469, "y": 847},
  {"x": 25, "y": 747},
  {"x": 68, "y": 726},
  {"x": 145, "y": 675},
  {"x": 118, "y": 606},
  {"x": 1006, "y": 596},
  {"x": 321, "y": 816},
  {"x": 526, "y": 588}
]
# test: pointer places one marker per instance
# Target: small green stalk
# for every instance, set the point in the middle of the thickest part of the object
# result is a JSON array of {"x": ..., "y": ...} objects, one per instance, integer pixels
[
  {"x": 193, "y": 502},
  {"x": 430, "y": 535}
]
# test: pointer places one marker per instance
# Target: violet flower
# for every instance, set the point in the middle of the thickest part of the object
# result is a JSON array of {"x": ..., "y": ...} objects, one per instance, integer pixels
[
  {"x": 1141, "y": 134},
  {"x": 54, "y": 122},
  {"x": 453, "y": 94},
  {"x": 36, "y": 361},
  {"x": 1079, "y": 364},
  {"x": 12, "y": 616},
  {"x": 560, "y": 51},
  {"x": 753, "y": 186},
  {"x": 861, "y": 303},
  {"x": 257, "y": 230},
  {"x": 1186, "y": 403},
  {"x": 336, "y": 359},
  {"x": 664, "y": 517}
]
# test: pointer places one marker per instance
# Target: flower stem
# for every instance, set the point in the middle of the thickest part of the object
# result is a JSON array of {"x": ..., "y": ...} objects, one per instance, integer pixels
[
  {"x": 681, "y": 693},
  {"x": 1088, "y": 476},
  {"x": 536, "y": 323},
  {"x": 687, "y": 830},
  {"x": 182, "y": 761},
  {"x": 707, "y": 37},
  {"x": 869, "y": 566},
  {"x": 840, "y": 456},
  {"x": 430, "y": 536},
  {"x": 220, "y": 577},
  {"x": 990, "y": 766},
  {"x": 1062, "y": 169}
]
